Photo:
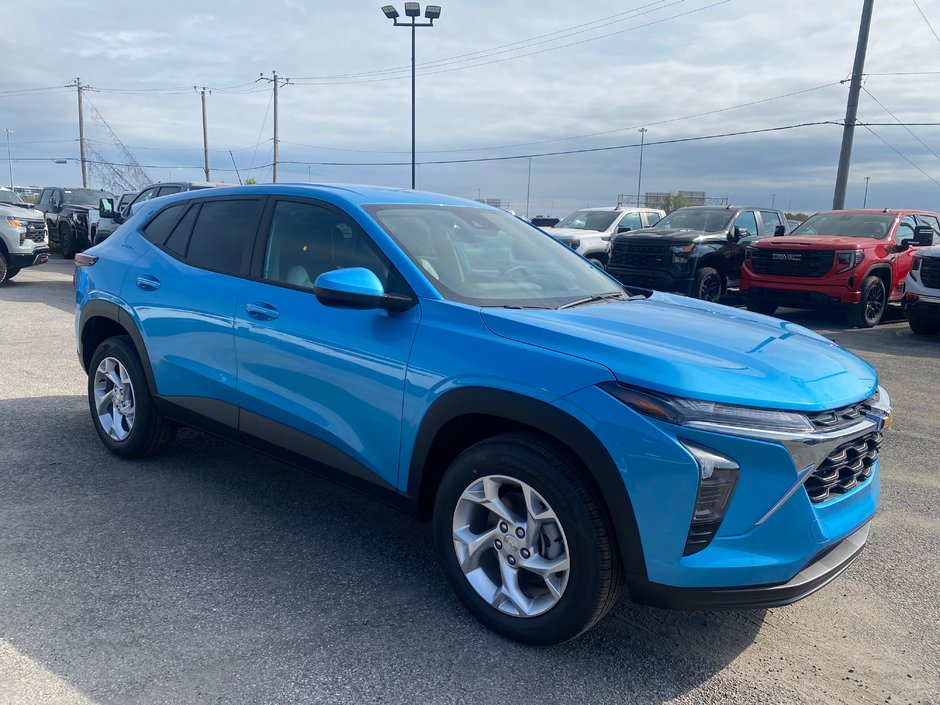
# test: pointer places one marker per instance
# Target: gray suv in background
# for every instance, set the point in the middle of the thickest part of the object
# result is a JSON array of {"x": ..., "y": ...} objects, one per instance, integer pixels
[{"x": 111, "y": 215}]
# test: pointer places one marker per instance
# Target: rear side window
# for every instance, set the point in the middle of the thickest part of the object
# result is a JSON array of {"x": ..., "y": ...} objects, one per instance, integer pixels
[
  {"x": 167, "y": 190},
  {"x": 630, "y": 220},
  {"x": 179, "y": 238},
  {"x": 224, "y": 234},
  {"x": 159, "y": 229},
  {"x": 771, "y": 219}
]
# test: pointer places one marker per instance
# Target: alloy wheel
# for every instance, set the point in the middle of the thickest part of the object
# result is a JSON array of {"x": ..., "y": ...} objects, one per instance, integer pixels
[
  {"x": 875, "y": 304},
  {"x": 114, "y": 398},
  {"x": 511, "y": 546}
]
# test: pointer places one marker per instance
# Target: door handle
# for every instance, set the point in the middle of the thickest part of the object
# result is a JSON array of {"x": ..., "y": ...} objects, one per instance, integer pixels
[
  {"x": 262, "y": 311},
  {"x": 148, "y": 282}
]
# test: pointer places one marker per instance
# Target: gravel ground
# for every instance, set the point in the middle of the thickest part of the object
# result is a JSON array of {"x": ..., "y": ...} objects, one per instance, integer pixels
[{"x": 216, "y": 575}]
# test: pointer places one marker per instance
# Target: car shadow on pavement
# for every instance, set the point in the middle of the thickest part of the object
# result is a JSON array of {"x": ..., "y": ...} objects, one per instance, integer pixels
[
  {"x": 58, "y": 294},
  {"x": 214, "y": 570}
]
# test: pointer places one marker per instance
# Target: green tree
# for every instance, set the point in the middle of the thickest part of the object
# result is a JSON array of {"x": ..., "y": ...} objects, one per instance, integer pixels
[
  {"x": 673, "y": 201},
  {"x": 796, "y": 216},
  {"x": 251, "y": 180}
]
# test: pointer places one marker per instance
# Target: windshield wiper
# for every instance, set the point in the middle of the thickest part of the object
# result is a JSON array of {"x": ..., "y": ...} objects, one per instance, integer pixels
[{"x": 597, "y": 297}]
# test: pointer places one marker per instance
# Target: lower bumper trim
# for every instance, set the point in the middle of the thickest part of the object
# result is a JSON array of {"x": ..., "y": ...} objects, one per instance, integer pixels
[{"x": 819, "y": 572}]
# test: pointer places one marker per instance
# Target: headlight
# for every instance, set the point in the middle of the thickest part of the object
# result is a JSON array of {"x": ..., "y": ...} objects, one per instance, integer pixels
[
  {"x": 846, "y": 259},
  {"x": 691, "y": 412},
  {"x": 679, "y": 249},
  {"x": 12, "y": 220}
]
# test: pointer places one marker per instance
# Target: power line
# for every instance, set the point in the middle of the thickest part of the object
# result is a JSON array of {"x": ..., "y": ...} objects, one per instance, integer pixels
[
  {"x": 518, "y": 56},
  {"x": 900, "y": 154},
  {"x": 909, "y": 130},
  {"x": 926, "y": 21}
]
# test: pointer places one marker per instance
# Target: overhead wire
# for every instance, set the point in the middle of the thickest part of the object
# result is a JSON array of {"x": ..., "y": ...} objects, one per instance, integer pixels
[
  {"x": 900, "y": 154},
  {"x": 898, "y": 120}
]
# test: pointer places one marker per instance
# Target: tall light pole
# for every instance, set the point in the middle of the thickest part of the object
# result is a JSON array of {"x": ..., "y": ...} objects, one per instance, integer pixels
[
  {"x": 528, "y": 189},
  {"x": 639, "y": 178},
  {"x": 413, "y": 10},
  {"x": 9, "y": 155}
]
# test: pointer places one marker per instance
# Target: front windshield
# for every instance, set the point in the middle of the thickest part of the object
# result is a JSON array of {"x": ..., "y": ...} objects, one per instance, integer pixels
[
  {"x": 709, "y": 220},
  {"x": 485, "y": 257},
  {"x": 589, "y": 220},
  {"x": 7, "y": 196},
  {"x": 870, "y": 225},
  {"x": 83, "y": 197}
]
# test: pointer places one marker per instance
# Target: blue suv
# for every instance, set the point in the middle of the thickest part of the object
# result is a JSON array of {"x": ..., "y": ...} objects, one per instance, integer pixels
[{"x": 567, "y": 436}]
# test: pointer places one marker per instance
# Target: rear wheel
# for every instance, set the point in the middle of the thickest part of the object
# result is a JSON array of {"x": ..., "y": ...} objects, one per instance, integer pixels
[
  {"x": 707, "y": 284},
  {"x": 922, "y": 328},
  {"x": 868, "y": 311},
  {"x": 523, "y": 541},
  {"x": 122, "y": 410},
  {"x": 66, "y": 242}
]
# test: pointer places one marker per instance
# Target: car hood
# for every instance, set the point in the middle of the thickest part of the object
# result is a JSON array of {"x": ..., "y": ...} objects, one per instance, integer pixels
[
  {"x": 691, "y": 348},
  {"x": 22, "y": 211},
  {"x": 568, "y": 233},
  {"x": 933, "y": 251},
  {"x": 819, "y": 242},
  {"x": 669, "y": 234}
]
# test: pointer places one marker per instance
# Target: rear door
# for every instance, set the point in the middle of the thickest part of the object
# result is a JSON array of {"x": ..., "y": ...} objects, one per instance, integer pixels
[
  {"x": 324, "y": 383},
  {"x": 184, "y": 289}
]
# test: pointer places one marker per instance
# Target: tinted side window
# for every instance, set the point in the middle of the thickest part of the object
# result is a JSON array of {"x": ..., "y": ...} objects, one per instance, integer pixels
[
  {"x": 160, "y": 227},
  {"x": 179, "y": 238},
  {"x": 747, "y": 221},
  {"x": 306, "y": 240},
  {"x": 167, "y": 190},
  {"x": 43, "y": 202},
  {"x": 652, "y": 219},
  {"x": 224, "y": 234},
  {"x": 771, "y": 220},
  {"x": 931, "y": 220},
  {"x": 905, "y": 229},
  {"x": 145, "y": 195}
]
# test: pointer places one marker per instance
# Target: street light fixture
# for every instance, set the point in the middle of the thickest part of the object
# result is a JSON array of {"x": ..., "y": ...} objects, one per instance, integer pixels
[{"x": 413, "y": 10}]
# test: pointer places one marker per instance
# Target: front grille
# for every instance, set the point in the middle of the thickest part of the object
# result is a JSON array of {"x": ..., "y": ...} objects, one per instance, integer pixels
[
  {"x": 847, "y": 466},
  {"x": 630, "y": 253},
  {"x": 930, "y": 272},
  {"x": 840, "y": 418},
  {"x": 792, "y": 263},
  {"x": 36, "y": 230}
]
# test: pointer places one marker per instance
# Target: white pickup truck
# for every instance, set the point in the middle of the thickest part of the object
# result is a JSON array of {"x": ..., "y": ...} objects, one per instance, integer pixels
[{"x": 921, "y": 300}]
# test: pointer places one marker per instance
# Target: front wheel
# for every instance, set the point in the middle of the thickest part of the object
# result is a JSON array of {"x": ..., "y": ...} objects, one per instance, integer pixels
[
  {"x": 66, "y": 242},
  {"x": 868, "y": 311},
  {"x": 707, "y": 284},
  {"x": 523, "y": 541},
  {"x": 13, "y": 272},
  {"x": 122, "y": 410},
  {"x": 4, "y": 270}
]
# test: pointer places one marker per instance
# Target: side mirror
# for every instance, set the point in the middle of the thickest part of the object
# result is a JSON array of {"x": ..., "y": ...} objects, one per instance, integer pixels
[
  {"x": 780, "y": 230},
  {"x": 106, "y": 207},
  {"x": 738, "y": 233},
  {"x": 923, "y": 236},
  {"x": 905, "y": 244},
  {"x": 357, "y": 287},
  {"x": 624, "y": 229}
]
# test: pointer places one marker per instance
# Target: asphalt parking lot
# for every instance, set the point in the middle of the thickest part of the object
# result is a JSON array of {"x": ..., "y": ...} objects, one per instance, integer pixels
[{"x": 213, "y": 574}]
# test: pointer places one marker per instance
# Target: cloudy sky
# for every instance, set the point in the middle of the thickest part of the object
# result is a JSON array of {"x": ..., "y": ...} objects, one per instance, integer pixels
[{"x": 495, "y": 79}]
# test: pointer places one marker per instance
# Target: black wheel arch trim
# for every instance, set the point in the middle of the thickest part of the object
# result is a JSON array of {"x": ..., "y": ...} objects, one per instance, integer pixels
[
  {"x": 555, "y": 423},
  {"x": 873, "y": 272},
  {"x": 99, "y": 308}
]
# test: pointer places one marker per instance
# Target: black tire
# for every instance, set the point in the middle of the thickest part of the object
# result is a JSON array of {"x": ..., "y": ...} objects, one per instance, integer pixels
[
  {"x": 868, "y": 311},
  {"x": 13, "y": 272},
  {"x": 4, "y": 270},
  {"x": 921, "y": 328},
  {"x": 67, "y": 242},
  {"x": 763, "y": 307},
  {"x": 707, "y": 284},
  {"x": 595, "y": 578},
  {"x": 150, "y": 432}
]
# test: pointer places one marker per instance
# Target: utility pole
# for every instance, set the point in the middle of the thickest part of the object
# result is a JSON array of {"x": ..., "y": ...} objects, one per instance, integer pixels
[
  {"x": 851, "y": 108},
  {"x": 865, "y": 200},
  {"x": 528, "y": 188},
  {"x": 639, "y": 178},
  {"x": 205, "y": 131},
  {"x": 9, "y": 155},
  {"x": 77, "y": 83},
  {"x": 276, "y": 82}
]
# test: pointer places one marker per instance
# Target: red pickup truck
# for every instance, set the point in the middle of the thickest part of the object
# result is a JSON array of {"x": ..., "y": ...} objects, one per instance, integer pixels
[{"x": 852, "y": 259}]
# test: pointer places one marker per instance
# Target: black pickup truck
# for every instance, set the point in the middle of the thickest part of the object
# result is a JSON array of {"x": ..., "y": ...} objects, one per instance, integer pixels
[
  {"x": 68, "y": 216},
  {"x": 697, "y": 251}
]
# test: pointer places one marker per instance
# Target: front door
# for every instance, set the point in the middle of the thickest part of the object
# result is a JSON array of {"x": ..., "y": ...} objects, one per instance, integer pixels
[{"x": 324, "y": 383}]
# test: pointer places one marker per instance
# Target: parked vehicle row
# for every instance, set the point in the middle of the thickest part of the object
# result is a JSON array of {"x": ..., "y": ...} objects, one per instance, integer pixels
[
  {"x": 566, "y": 437},
  {"x": 589, "y": 231},
  {"x": 22, "y": 235}
]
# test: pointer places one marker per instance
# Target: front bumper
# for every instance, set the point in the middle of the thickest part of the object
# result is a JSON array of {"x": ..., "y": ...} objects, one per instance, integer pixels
[
  {"x": 925, "y": 310},
  {"x": 802, "y": 292},
  {"x": 20, "y": 260},
  {"x": 825, "y": 567},
  {"x": 659, "y": 280}
]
